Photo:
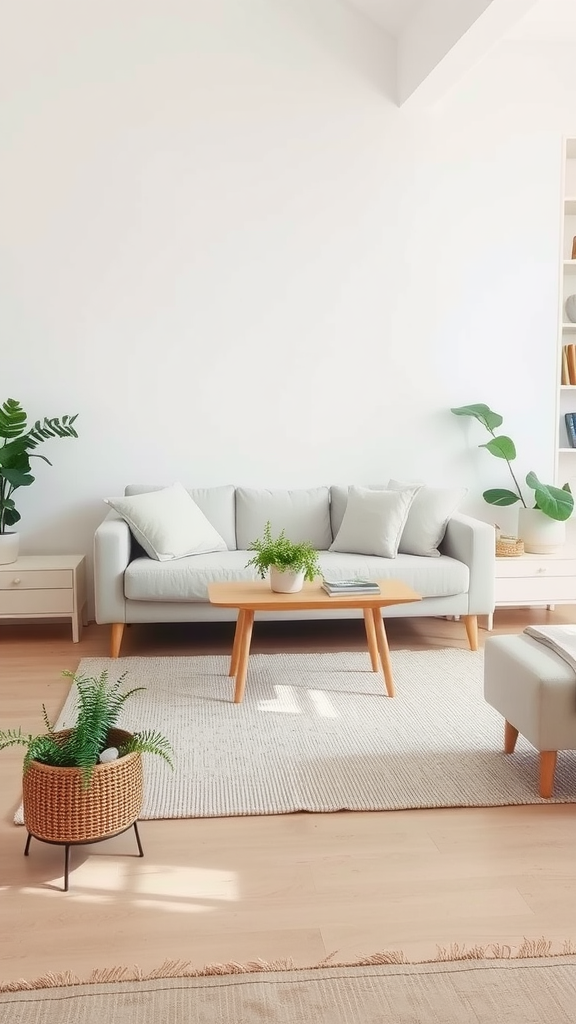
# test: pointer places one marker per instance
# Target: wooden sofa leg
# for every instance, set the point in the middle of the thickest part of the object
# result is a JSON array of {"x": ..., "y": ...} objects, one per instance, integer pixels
[
  {"x": 548, "y": 760},
  {"x": 116, "y": 639},
  {"x": 510, "y": 737},
  {"x": 471, "y": 623}
]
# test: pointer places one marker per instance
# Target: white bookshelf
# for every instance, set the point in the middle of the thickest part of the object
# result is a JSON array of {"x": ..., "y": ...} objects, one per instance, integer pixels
[{"x": 566, "y": 397}]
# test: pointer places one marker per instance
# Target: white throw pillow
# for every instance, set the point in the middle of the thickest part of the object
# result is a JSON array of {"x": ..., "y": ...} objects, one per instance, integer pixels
[
  {"x": 373, "y": 521},
  {"x": 168, "y": 523},
  {"x": 428, "y": 517}
]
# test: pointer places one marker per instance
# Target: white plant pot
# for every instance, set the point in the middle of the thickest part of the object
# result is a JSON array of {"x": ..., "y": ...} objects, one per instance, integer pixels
[
  {"x": 540, "y": 534},
  {"x": 9, "y": 546},
  {"x": 286, "y": 582}
]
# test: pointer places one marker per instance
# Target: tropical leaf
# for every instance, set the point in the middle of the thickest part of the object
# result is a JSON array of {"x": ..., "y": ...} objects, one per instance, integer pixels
[
  {"x": 18, "y": 448},
  {"x": 555, "y": 502},
  {"x": 51, "y": 427},
  {"x": 12, "y": 419},
  {"x": 502, "y": 447},
  {"x": 500, "y": 496},
  {"x": 17, "y": 478},
  {"x": 11, "y": 517},
  {"x": 483, "y": 413}
]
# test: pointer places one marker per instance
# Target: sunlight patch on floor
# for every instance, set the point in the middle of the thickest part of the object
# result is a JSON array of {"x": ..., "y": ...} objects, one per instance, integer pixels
[
  {"x": 323, "y": 704},
  {"x": 285, "y": 703}
]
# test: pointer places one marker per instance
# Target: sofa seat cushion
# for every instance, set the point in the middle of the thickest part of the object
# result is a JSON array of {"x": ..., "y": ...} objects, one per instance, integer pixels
[
  {"x": 429, "y": 577},
  {"x": 184, "y": 580},
  {"x": 304, "y": 515},
  {"x": 187, "y": 579}
]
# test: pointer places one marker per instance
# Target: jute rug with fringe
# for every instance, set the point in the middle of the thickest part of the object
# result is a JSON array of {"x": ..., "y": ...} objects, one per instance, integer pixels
[
  {"x": 316, "y": 732},
  {"x": 503, "y": 988}
]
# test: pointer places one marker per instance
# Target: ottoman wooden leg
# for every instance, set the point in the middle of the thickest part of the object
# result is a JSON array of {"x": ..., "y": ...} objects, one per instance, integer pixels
[
  {"x": 510, "y": 737},
  {"x": 548, "y": 760}
]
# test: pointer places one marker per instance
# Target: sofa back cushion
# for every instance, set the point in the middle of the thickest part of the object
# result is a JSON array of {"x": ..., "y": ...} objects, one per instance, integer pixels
[
  {"x": 428, "y": 517},
  {"x": 339, "y": 501},
  {"x": 217, "y": 504},
  {"x": 373, "y": 521},
  {"x": 304, "y": 514}
]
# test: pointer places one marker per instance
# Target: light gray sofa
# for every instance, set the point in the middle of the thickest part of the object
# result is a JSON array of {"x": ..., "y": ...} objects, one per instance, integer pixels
[{"x": 131, "y": 587}]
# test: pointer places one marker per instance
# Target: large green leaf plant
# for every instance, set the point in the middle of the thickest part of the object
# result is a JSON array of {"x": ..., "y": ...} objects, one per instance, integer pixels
[
  {"x": 555, "y": 502},
  {"x": 17, "y": 444}
]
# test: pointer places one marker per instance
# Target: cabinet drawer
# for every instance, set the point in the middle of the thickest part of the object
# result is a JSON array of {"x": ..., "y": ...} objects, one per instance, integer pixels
[
  {"x": 36, "y": 602},
  {"x": 515, "y": 568},
  {"x": 540, "y": 589},
  {"x": 36, "y": 579}
]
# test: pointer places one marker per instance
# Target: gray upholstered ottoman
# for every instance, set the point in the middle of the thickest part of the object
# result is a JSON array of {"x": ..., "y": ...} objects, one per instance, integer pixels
[{"x": 535, "y": 691}]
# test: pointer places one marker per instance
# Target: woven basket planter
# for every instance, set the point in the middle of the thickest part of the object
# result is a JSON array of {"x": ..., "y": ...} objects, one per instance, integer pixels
[{"x": 58, "y": 810}]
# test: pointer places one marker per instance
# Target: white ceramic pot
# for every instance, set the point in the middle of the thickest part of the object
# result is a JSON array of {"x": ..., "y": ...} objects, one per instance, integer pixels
[
  {"x": 9, "y": 546},
  {"x": 540, "y": 534},
  {"x": 286, "y": 582}
]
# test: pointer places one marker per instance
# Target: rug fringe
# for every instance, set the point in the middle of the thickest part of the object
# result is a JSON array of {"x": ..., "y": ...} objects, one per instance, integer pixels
[{"x": 528, "y": 948}]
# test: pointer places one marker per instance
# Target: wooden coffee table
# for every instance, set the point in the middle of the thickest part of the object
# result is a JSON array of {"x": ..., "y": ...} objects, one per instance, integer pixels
[{"x": 257, "y": 596}]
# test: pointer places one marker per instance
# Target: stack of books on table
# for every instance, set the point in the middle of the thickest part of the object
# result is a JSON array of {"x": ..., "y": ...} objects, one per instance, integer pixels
[{"x": 336, "y": 588}]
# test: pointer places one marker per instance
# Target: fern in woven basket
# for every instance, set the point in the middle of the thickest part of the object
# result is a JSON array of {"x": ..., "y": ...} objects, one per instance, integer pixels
[{"x": 99, "y": 706}]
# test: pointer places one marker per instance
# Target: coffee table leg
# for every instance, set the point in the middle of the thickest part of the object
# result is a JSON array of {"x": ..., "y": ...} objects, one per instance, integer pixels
[
  {"x": 384, "y": 650},
  {"x": 243, "y": 653},
  {"x": 237, "y": 643},
  {"x": 371, "y": 638}
]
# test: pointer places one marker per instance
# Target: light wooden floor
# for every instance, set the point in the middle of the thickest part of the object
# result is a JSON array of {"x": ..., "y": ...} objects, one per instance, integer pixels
[{"x": 299, "y": 885}]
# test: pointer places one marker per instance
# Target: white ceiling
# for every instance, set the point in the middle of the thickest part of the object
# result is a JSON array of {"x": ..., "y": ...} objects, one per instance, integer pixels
[{"x": 548, "y": 20}]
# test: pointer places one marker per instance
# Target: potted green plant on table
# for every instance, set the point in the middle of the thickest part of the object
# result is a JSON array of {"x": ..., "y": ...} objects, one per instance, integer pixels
[
  {"x": 540, "y": 524},
  {"x": 85, "y": 783},
  {"x": 289, "y": 563},
  {"x": 18, "y": 442}
]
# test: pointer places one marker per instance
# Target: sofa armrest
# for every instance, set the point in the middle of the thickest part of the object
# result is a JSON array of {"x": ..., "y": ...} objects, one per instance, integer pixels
[
  {"x": 112, "y": 546},
  {"x": 473, "y": 542}
]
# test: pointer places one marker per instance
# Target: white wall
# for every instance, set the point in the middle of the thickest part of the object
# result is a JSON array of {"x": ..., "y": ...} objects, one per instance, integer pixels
[{"x": 208, "y": 206}]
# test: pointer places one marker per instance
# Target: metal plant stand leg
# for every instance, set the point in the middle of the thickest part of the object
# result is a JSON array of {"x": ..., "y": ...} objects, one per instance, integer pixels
[
  {"x": 140, "y": 850},
  {"x": 86, "y": 842},
  {"x": 66, "y": 865}
]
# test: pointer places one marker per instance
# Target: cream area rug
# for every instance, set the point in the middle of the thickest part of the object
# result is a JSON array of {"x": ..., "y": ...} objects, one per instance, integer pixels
[
  {"x": 316, "y": 732},
  {"x": 486, "y": 991}
]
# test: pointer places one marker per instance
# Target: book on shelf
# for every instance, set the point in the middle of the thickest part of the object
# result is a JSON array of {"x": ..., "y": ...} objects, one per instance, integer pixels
[
  {"x": 565, "y": 372},
  {"x": 570, "y": 420},
  {"x": 571, "y": 356},
  {"x": 356, "y": 586}
]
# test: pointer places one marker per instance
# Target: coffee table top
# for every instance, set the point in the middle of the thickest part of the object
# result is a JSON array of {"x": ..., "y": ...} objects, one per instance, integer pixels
[{"x": 256, "y": 595}]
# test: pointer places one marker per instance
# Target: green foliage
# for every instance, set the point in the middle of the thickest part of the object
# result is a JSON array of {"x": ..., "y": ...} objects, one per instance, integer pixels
[
  {"x": 16, "y": 450},
  {"x": 282, "y": 553},
  {"x": 99, "y": 707},
  {"x": 555, "y": 502}
]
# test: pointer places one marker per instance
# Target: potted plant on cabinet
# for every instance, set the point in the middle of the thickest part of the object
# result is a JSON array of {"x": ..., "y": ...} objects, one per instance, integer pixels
[
  {"x": 289, "y": 563},
  {"x": 541, "y": 525},
  {"x": 16, "y": 449},
  {"x": 85, "y": 783}
]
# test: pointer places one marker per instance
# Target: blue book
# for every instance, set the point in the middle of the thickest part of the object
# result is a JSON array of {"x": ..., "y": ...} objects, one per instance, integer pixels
[{"x": 570, "y": 419}]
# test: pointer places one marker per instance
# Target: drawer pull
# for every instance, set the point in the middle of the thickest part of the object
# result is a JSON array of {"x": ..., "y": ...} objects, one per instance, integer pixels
[
  {"x": 17, "y": 580},
  {"x": 541, "y": 569}
]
